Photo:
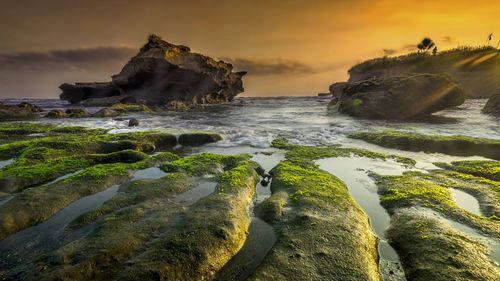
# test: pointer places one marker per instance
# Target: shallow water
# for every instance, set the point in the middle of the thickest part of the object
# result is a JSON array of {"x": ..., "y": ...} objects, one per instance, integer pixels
[
  {"x": 364, "y": 190},
  {"x": 47, "y": 235},
  {"x": 62, "y": 177},
  {"x": 149, "y": 173},
  {"x": 258, "y": 243},
  {"x": 494, "y": 245},
  {"x": 6, "y": 199},
  {"x": 466, "y": 201},
  {"x": 203, "y": 189},
  {"x": 6, "y": 162}
]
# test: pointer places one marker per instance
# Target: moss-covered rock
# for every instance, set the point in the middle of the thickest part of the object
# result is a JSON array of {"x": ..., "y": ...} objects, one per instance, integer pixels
[
  {"x": 416, "y": 189},
  {"x": 299, "y": 153},
  {"x": 322, "y": 233},
  {"x": 452, "y": 145},
  {"x": 195, "y": 139},
  {"x": 207, "y": 236},
  {"x": 486, "y": 169},
  {"x": 432, "y": 250},
  {"x": 204, "y": 163}
]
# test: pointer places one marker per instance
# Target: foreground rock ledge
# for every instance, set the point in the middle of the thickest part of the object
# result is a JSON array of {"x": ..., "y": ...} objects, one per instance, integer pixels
[
  {"x": 399, "y": 97},
  {"x": 162, "y": 73}
]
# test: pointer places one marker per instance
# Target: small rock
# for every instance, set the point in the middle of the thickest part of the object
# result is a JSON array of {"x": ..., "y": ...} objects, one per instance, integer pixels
[
  {"x": 133, "y": 122},
  {"x": 106, "y": 112},
  {"x": 77, "y": 112},
  {"x": 56, "y": 113}
]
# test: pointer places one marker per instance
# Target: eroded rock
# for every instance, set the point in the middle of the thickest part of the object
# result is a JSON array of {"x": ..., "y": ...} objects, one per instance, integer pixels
[{"x": 162, "y": 73}]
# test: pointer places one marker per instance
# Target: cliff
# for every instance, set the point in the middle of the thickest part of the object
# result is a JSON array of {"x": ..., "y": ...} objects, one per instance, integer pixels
[{"x": 476, "y": 69}]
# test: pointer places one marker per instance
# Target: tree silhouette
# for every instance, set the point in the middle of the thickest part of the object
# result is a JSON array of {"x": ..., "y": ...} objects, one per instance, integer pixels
[
  {"x": 435, "y": 50},
  {"x": 489, "y": 38},
  {"x": 426, "y": 44}
]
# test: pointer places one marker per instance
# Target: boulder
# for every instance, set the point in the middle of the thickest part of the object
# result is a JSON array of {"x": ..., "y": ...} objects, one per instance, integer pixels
[
  {"x": 493, "y": 105},
  {"x": 196, "y": 139},
  {"x": 400, "y": 97},
  {"x": 56, "y": 113},
  {"x": 77, "y": 112},
  {"x": 133, "y": 122},
  {"x": 162, "y": 73}
]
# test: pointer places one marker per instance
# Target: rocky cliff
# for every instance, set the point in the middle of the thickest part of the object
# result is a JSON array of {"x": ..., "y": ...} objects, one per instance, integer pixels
[
  {"x": 477, "y": 70},
  {"x": 162, "y": 73}
]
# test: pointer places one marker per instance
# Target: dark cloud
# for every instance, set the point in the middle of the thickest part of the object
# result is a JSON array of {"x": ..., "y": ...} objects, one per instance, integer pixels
[
  {"x": 270, "y": 66},
  {"x": 102, "y": 59}
]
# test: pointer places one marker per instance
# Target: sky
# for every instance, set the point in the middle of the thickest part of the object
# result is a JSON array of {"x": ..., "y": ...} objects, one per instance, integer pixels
[{"x": 292, "y": 47}]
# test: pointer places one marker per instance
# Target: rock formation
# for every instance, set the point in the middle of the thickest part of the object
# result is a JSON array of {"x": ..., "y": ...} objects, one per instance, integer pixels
[
  {"x": 493, "y": 105},
  {"x": 162, "y": 73},
  {"x": 476, "y": 69},
  {"x": 399, "y": 97}
]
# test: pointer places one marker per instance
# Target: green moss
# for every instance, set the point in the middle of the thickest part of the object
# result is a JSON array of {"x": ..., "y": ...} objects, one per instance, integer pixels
[
  {"x": 432, "y": 250},
  {"x": 422, "y": 62},
  {"x": 430, "y": 190},
  {"x": 316, "y": 229},
  {"x": 486, "y": 169},
  {"x": 311, "y": 182},
  {"x": 132, "y": 107},
  {"x": 452, "y": 145},
  {"x": 204, "y": 163},
  {"x": 306, "y": 154},
  {"x": 404, "y": 190}
]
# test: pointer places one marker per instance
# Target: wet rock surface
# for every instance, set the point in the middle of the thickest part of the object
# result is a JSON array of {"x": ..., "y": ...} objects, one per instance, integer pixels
[
  {"x": 84, "y": 204},
  {"x": 161, "y": 74},
  {"x": 493, "y": 105},
  {"x": 452, "y": 145},
  {"x": 399, "y": 97}
]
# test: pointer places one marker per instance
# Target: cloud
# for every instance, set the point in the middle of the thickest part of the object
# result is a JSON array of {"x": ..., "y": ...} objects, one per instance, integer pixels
[
  {"x": 271, "y": 66},
  {"x": 403, "y": 49},
  {"x": 102, "y": 59},
  {"x": 389, "y": 52},
  {"x": 449, "y": 40}
]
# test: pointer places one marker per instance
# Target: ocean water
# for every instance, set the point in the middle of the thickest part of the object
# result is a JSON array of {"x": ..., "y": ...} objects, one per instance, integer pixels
[{"x": 303, "y": 120}]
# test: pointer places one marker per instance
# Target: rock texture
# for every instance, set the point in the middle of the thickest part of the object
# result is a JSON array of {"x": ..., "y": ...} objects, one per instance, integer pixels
[
  {"x": 162, "y": 73},
  {"x": 493, "y": 105},
  {"x": 400, "y": 97}
]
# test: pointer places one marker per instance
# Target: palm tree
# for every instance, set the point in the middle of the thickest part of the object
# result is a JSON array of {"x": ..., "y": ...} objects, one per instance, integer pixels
[{"x": 426, "y": 44}]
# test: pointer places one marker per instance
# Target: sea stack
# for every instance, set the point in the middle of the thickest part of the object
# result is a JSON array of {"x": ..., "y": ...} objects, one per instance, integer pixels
[{"x": 161, "y": 74}]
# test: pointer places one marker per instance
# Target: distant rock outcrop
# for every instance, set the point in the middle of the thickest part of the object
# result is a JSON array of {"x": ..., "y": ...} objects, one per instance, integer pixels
[
  {"x": 399, "y": 97},
  {"x": 23, "y": 110},
  {"x": 476, "y": 69},
  {"x": 493, "y": 105},
  {"x": 160, "y": 74}
]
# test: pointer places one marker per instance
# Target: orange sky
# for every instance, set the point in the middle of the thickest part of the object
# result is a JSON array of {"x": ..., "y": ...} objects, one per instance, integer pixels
[{"x": 323, "y": 37}]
